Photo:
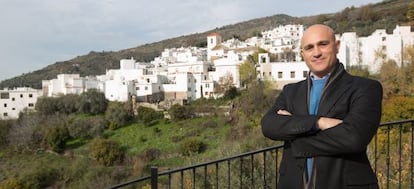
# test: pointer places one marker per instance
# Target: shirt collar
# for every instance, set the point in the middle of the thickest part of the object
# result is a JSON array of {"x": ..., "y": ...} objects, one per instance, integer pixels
[{"x": 314, "y": 77}]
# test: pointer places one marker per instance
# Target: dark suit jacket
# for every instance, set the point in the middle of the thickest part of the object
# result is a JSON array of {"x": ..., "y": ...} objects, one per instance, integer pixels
[{"x": 340, "y": 159}]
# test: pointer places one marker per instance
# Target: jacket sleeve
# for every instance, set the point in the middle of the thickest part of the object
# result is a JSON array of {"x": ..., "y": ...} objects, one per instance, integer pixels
[
  {"x": 281, "y": 127},
  {"x": 354, "y": 134}
]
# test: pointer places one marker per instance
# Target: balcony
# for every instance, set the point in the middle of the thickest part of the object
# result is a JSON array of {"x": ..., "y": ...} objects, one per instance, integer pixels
[{"x": 391, "y": 153}]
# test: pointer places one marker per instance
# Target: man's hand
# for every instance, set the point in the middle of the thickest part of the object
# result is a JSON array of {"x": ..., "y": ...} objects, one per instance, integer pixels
[
  {"x": 326, "y": 123},
  {"x": 283, "y": 112}
]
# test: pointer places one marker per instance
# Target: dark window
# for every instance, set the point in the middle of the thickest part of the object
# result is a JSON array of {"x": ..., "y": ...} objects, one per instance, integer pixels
[
  {"x": 4, "y": 95},
  {"x": 279, "y": 75}
]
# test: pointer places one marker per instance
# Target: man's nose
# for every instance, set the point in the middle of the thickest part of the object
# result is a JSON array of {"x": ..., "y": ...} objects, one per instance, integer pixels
[{"x": 316, "y": 51}]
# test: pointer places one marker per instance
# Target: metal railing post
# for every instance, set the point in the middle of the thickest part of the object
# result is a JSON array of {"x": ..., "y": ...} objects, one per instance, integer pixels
[{"x": 154, "y": 177}]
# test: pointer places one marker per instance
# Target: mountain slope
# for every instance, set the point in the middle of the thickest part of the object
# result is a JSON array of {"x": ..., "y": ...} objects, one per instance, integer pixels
[{"x": 363, "y": 20}]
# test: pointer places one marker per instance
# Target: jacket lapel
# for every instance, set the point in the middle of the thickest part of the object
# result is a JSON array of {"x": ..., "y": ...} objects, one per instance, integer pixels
[{"x": 333, "y": 93}]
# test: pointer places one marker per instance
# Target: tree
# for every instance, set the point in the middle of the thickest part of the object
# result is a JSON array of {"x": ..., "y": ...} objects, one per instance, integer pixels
[
  {"x": 224, "y": 83},
  {"x": 231, "y": 93},
  {"x": 5, "y": 126},
  {"x": 93, "y": 102},
  {"x": 389, "y": 78},
  {"x": 407, "y": 78},
  {"x": 410, "y": 12},
  {"x": 118, "y": 114},
  {"x": 398, "y": 108},
  {"x": 179, "y": 112},
  {"x": 148, "y": 116},
  {"x": 359, "y": 71},
  {"x": 247, "y": 71},
  {"x": 106, "y": 152},
  {"x": 46, "y": 105},
  {"x": 57, "y": 137}
]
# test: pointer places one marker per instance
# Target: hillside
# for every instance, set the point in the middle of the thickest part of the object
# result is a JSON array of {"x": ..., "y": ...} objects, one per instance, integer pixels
[{"x": 363, "y": 20}]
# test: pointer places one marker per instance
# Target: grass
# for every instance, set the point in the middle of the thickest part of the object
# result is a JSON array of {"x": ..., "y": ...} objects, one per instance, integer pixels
[
  {"x": 135, "y": 138},
  {"x": 166, "y": 137}
]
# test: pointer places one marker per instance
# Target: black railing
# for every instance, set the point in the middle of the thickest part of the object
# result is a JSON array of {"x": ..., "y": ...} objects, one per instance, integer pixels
[{"x": 391, "y": 153}]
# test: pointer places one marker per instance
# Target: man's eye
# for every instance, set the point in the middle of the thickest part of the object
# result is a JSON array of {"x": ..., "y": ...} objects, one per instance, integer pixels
[
  {"x": 307, "y": 48},
  {"x": 323, "y": 43}
]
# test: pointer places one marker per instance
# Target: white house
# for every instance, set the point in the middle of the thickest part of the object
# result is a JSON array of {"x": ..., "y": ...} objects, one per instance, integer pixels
[
  {"x": 281, "y": 73},
  {"x": 13, "y": 101},
  {"x": 349, "y": 49},
  {"x": 63, "y": 85}
]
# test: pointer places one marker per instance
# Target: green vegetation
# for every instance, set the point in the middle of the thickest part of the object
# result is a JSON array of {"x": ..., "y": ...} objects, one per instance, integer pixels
[
  {"x": 70, "y": 142},
  {"x": 76, "y": 147}
]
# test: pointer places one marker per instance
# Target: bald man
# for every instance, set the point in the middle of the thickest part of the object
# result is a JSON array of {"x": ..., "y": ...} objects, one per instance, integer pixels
[{"x": 325, "y": 121}]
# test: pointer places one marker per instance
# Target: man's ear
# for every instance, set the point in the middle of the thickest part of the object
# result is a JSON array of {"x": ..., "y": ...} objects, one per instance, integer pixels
[{"x": 337, "y": 44}]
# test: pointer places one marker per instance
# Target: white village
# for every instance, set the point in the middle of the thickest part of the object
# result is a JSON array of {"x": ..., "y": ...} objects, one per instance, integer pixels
[{"x": 181, "y": 75}]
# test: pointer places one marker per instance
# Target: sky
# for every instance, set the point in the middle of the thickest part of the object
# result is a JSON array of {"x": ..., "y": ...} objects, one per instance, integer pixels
[{"x": 37, "y": 33}]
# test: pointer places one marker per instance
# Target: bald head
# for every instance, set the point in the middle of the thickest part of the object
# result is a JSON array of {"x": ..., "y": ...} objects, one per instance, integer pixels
[{"x": 318, "y": 29}]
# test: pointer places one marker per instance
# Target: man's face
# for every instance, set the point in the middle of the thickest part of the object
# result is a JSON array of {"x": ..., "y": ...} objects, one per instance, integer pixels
[{"x": 319, "y": 49}]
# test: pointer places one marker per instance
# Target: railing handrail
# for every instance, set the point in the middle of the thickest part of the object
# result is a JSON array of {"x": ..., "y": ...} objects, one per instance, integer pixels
[
  {"x": 276, "y": 147},
  {"x": 221, "y": 160}
]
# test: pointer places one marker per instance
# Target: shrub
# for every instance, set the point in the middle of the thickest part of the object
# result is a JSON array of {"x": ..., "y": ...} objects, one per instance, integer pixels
[
  {"x": 56, "y": 138},
  {"x": 151, "y": 154},
  {"x": 148, "y": 116},
  {"x": 192, "y": 146},
  {"x": 93, "y": 102},
  {"x": 87, "y": 127},
  {"x": 5, "y": 126},
  {"x": 41, "y": 177},
  {"x": 178, "y": 112},
  {"x": 106, "y": 152},
  {"x": 118, "y": 114},
  {"x": 11, "y": 183}
]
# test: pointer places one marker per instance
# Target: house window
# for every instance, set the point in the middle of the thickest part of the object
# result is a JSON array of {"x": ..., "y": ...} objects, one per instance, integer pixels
[
  {"x": 292, "y": 74},
  {"x": 279, "y": 75},
  {"x": 148, "y": 80},
  {"x": 137, "y": 88},
  {"x": 270, "y": 73},
  {"x": 13, "y": 99},
  {"x": 21, "y": 95},
  {"x": 30, "y": 95},
  {"x": 31, "y": 104},
  {"x": 5, "y": 105},
  {"x": 13, "y": 108},
  {"x": 5, "y": 114},
  {"x": 305, "y": 73},
  {"x": 146, "y": 88}
]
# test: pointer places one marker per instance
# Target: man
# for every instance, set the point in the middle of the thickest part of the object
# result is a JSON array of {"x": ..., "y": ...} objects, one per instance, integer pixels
[{"x": 325, "y": 121}]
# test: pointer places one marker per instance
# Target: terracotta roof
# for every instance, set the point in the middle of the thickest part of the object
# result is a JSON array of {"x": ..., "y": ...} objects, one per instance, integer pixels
[
  {"x": 219, "y": 47},
  {"x": 213, "y": 34}
]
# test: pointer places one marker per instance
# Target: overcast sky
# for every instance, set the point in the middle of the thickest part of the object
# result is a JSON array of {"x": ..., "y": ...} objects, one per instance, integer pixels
[{"x": 37, "y": 33}]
